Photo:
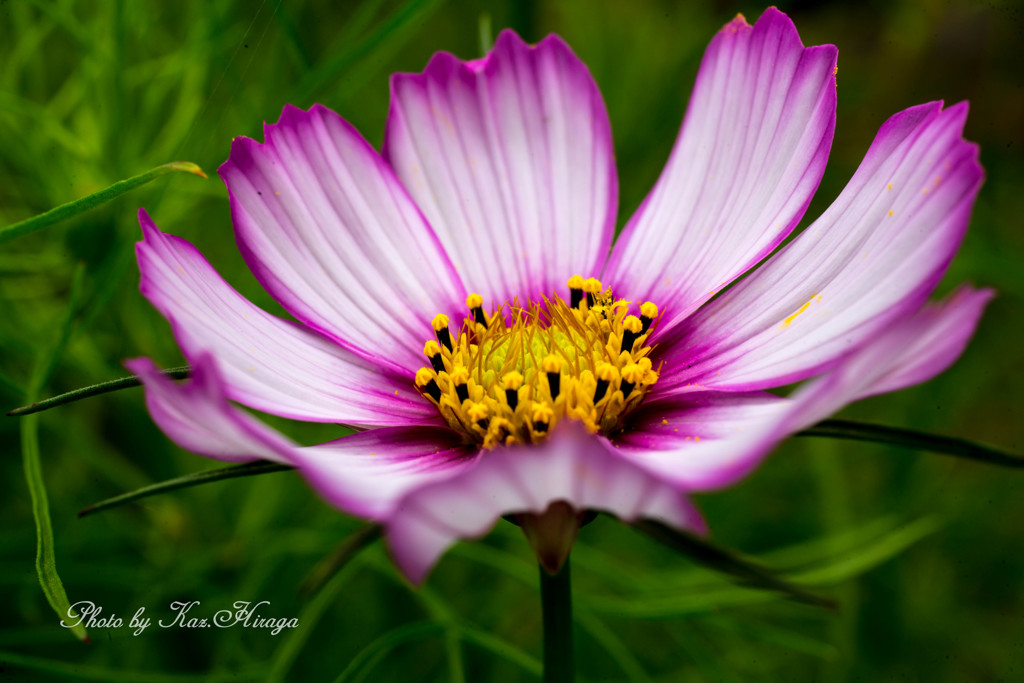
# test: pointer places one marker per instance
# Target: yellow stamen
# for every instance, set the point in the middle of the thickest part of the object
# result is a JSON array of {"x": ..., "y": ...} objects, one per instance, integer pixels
[
  {"x": 510, "y": 375},
  {"x": 607, "y": 372},
  {"x": 633, "y": 374},
  {"x": 512, "y": 380},
  {"x": 477, "y": 412},
  {"x": 551, "y": 363}
]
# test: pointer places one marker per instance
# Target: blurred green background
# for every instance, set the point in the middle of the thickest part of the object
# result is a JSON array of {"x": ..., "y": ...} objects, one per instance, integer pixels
[{"x": 923, "y": 551}]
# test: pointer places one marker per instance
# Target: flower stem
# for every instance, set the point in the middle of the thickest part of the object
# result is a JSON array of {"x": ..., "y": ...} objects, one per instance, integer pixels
[{"x": 556, "y": 604}]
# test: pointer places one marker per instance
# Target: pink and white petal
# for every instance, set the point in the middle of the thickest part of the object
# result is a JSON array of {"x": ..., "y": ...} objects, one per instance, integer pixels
[
  {"x": 937, "y": 337},
  {"x": 197, "y": 416},
  {"x": 572, "y": 466},
  {"x": 270, "y": 364},
  {"x": 690, "y": 420},
  {"x": 332, "y": 235},
  {"x": 702, "y": 440},
  {"x": 750, "y": 155},
  {"x": 510, "y": 158},
  {"x": 911, "y": 351},
  {"x": 872, "y": 257},
  {"x": 367, "y": 473}
]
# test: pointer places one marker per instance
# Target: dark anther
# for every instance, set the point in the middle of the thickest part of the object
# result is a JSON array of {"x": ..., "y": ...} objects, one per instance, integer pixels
[
  {"x": 478, "y": 316},
  {"x": 575, "y": 297},
  {"x": 539, "y": 426},
  {"x": 590, "y": 300},
  {"x": 627, "y": 388},
  {"x": 437, "y": 363},
  {"x": 462, "y": 391},
  {"x": 433, "y": 391},
  {"x": 512, "y": 396},
  {"x": 646, "y": 322},
  {"x": 602, "y": 388},
  {"x": 627, "y": 341},
  {"x": 554, "y": 379},
  {"x": 444, "y": 337}
]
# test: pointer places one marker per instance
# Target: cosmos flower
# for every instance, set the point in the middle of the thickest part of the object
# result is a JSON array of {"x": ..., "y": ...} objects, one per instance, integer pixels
[{"x": 458, "y": 298}]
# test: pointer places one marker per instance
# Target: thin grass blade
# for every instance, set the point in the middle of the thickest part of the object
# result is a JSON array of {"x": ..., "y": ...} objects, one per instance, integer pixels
[
  {"x": 93, "y": 390},
  {"x": 244, "y": 470},
  {"x": 78, "y": 206},
  {"x": 46, "y": 557},
  {"x": 909, "y": 438}
]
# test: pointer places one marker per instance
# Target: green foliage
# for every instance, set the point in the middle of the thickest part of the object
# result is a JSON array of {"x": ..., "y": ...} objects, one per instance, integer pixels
[{"x": 922, "y": 553}]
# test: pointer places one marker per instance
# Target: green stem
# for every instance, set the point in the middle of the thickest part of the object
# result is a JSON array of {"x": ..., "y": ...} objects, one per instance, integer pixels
[{"x": 556, "y": 604}]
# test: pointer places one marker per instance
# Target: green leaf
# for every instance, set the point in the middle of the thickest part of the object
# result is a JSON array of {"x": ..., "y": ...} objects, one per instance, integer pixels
[
  {"x": 908, "y": 438},
  {"x": 73, "y": 208},
  {"x": 46, "y": 559},
  {"x": 189, "y": 480},
  {"x": 93, "y": 390},
  {"x": 725, "y": 561}
]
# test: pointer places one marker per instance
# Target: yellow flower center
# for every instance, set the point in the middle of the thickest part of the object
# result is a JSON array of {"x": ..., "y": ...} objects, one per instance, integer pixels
[{"x": 511, "y": 376}]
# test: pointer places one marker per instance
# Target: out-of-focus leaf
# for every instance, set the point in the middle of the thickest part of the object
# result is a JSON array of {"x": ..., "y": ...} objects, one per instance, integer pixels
[
  {"x": 885, "y": 548},
  {"x": 336, "y": 561},
  {"x": 668, "y": 602},
  {"x": 908, "y": 438},
  {"x": 408, "y": 14},
  {"x": 78, "y": 206},
  {"x": 195, "y": 479},
  {"x": 612, "y": 645},
  {"x": 728, "y": 562},
  {"x": 501, "y": 648},
  {"x": 486, "y": 34},
  {"x": 286, "y": 653},
  {"x": 455, "y": 627},
  {"x": 364, "y": 662},
  {"x": 774, "y": 634},
  {"x": 93, "y": 390},
  {"x": 84, "y": 672}
]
